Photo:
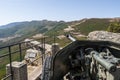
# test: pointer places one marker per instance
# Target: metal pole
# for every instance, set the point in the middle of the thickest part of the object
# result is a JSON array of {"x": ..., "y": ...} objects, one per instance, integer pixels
[
  {"x": 54, "y": 46},
  {"x": 42, "y": 48},
  {"x": 71, "y": 38},
  {"x": 20, "y": 51},
  {"x": 10, "y": 59}
]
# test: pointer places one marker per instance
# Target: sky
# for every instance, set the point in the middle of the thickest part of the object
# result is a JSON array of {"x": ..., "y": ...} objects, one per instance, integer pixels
[{"x": 67, "y": 10}]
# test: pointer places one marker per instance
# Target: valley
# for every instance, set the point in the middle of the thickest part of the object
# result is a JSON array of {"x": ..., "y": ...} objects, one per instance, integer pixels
[{"x": 55, "y": 31}]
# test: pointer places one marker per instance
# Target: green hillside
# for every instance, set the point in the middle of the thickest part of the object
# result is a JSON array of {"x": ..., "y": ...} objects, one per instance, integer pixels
[
  {"x": 28, "y": 28},
  {"x": 57, "y": 30},
  {"x": 91, "y": 25},
  {"x": 50, "y": 28}
]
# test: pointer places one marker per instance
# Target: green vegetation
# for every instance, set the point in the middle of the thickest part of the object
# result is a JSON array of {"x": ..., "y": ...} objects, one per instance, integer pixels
[
  {"x": 114, "y": 27},
  {"x": 92, "y": 25},
  {"x": 50, "y": 29},
  {"x": 57, "y": 30},
  {"x": 5, "y": 60},
  {"x": 29, "y": 28}
]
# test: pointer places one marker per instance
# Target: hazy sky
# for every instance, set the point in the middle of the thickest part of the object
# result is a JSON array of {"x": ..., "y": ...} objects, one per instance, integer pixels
[{"x": 67, "y": 10}]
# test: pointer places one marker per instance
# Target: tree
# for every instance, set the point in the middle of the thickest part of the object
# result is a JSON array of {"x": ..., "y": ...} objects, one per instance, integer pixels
[{"x": 114, "y": 27}]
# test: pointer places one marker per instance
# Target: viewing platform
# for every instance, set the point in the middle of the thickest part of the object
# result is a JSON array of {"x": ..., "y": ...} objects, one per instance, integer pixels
[{"x": 30, "y": 58}]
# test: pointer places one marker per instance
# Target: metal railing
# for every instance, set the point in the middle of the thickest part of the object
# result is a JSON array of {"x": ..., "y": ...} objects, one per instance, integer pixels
[{"x": 20, "y": 49}]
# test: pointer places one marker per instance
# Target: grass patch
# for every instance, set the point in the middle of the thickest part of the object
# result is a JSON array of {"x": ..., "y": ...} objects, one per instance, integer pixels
[
  {"x": 92, "y": 25},
  {"x": 5, "y": 60}
]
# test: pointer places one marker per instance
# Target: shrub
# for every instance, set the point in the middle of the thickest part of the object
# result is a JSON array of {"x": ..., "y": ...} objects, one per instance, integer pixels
[{"x": 114, "y": 27}]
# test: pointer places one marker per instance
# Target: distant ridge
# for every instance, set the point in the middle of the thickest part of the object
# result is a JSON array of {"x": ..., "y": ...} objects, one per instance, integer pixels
[
  {"x": 10, "y": 25},
  {"x": 50, "y": 28}
]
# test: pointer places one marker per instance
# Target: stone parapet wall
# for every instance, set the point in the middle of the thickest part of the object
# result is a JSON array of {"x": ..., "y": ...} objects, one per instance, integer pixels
[{"x": 105, "y": 36}]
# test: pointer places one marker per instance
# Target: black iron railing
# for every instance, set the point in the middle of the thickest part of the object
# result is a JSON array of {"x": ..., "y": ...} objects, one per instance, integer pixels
[
  {"x": 9, "y": 54},
  {"x": 21, "y": 47}
]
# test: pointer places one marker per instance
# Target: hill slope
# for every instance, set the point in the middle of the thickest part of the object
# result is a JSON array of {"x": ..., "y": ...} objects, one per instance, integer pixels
[
  {"x": 29, "y": 28},
  {"x": 92, "y": 24},
  {"x": 50, "y": 28}
]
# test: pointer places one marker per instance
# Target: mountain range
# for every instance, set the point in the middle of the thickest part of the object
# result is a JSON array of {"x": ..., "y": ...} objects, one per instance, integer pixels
[{"x": 50, "y": 28}]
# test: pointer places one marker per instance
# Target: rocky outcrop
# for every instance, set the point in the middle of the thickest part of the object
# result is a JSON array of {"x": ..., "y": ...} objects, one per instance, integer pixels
[{"x": 105, "y": 36}]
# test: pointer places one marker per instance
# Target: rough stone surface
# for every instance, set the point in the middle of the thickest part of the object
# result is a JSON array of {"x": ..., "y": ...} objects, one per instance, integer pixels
[
  {"x": 105, "y": 36},
  {"x": 19, "y": 70}
]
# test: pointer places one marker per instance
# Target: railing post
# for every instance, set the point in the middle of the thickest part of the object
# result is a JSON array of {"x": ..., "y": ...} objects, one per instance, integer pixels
[
  {"x": 10, "y": 59},
  {"x": 42, "y": 48},
  {"x": 20, "y": 51}
]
